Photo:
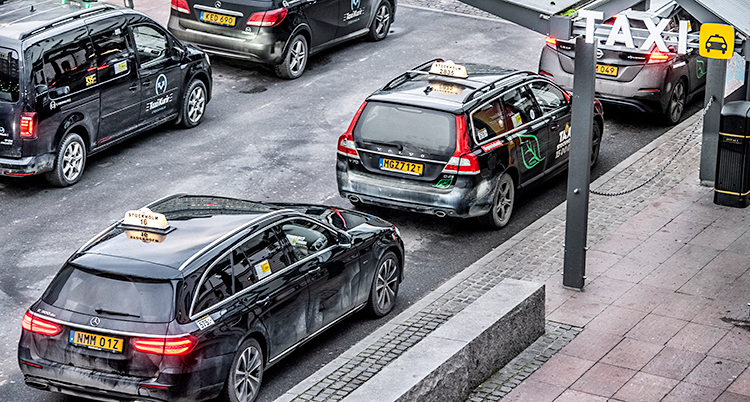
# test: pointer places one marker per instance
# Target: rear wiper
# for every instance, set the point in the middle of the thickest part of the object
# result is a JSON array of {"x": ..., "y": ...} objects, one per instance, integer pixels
[
  {"x": 398, "y": 145},
  {"x": 110, "y": 312}
]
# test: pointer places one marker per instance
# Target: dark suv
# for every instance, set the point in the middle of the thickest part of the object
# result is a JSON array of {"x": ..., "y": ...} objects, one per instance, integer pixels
[
  {"x": 457, "y": 140},
  {"x": 281, "y": 33},
  {"x": 77, "y": 77}
]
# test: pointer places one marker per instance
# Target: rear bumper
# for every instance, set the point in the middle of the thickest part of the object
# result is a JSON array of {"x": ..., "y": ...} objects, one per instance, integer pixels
[
  {"x": 27, "y": 166},
  {"x": 469, "y": 196}
]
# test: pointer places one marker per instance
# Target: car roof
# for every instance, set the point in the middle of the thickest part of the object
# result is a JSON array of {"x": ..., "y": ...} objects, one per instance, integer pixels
[
  {"x": 195, "y": 222},
  {"x": 22, "y": 18},
  {"x": 419, "y": 87}
]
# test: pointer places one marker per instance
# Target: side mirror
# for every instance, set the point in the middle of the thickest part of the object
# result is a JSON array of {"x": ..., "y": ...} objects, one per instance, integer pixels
[
  {"x": 345, "y": 241},
  {"x": 177, "y": 53},
  {"x": 40, "y": 89}
]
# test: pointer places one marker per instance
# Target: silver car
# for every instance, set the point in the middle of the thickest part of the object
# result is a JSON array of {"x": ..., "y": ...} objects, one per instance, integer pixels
[{"x": 648, "y": 80}]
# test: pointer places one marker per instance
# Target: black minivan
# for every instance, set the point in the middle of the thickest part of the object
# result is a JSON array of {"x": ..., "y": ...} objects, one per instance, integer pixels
[{"x": 78, "y": 77}]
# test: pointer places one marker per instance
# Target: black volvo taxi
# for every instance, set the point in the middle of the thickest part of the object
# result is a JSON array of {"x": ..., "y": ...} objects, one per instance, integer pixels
[
  {"x": 457, "y": 140},
  {"x": 193, "y": 297}
]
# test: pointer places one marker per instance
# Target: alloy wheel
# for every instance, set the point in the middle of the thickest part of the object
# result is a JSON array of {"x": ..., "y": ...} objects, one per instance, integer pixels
[
  {"x": 504, "y": 206},
  {"x": 298, "y": 56},
  {"x": 677, "y": 102},
  {"x": 247, "y": 375},
  {"x": 381, "y": 20},
  {"x": 196, "y": 104},
  {"x": 72, "y": 162},
  {"x": 387, "y": 284}
]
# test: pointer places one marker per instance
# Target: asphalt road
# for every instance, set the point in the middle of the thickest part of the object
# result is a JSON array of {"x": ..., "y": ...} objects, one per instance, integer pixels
[{"x": 267, "y": 139}]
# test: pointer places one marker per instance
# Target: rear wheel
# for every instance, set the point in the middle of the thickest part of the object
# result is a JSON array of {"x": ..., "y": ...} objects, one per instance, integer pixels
[
  {"x": 384, "y": 286},
  {"x": 676, "y": 105},
  {"x": 246, "y": 373},
  {"x": 69, "y": 163},
  {"x": 382, "y": 22},
  {"x": 596, "y": 142},
  {"x": 502, "y": 204},
  {"x": 295, "y": 59}
]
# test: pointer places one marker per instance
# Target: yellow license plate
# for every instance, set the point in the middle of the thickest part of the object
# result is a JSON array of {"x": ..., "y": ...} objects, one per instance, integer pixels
[
  {"x": 217, "y": 19},
  {"x": 95, "y": 341},
  {"x": 401, "y": 166},
  {"x": 606, "y": 70}
]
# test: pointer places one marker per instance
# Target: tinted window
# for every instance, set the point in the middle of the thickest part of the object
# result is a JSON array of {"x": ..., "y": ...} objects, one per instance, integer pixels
[
  {"x": 150, "y": 43},
  {"x": 217, "y": 285},
  {"x": 419, "y": 129},
  {"x": 8, "y": 75},
  {"x": 519, "y": 108},
  {"x": 489, "y": 121},
  {"x": 548, "y": 96},
  {"x": 112, "y": 51},
  {"x": 116, "y": 296},
  {"x": 69, "y": 66},
  {"x": 257, "y": 258},
  {"x": 306, "y": 237}
]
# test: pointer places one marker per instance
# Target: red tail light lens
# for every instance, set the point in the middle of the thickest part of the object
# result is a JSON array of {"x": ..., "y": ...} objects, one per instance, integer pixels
[
  {"x": 463, "y": 160},
  {"x": 37, "y": 325},
  {"x": 346, "y": 145},
  {"x": 166, "y": 346},
  {"x": 551, "y": 41},
  {"x": 657, "y": 57},
  {"x": 28, "y": 125},
  {"x": 270, "y": 18},
  {"x": 181, "y": 6}
]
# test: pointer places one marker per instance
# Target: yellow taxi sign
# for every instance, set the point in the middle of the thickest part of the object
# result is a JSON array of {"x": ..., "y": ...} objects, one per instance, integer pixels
[
  {"x": 716, "y": 41},
  {"x": 146, "y": 218},
  {"x": 449, "y": 69}
]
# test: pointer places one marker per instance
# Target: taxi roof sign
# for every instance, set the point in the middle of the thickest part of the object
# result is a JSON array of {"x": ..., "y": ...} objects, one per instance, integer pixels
[
  {"x": 448, "y": 68},
  {"x": 144, "y": 217}
]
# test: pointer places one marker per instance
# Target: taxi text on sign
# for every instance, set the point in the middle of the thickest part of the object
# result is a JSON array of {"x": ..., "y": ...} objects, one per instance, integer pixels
[{"x": 716, "y": 41}]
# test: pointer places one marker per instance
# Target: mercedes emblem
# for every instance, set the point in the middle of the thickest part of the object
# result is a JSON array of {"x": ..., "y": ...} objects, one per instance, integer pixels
[
  {"x": 217, "y": 4},
  {"x": 94, "y": 321}
]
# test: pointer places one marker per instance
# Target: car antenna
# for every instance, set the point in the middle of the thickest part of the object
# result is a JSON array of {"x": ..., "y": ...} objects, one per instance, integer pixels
[{"x": 32, "y": 9}]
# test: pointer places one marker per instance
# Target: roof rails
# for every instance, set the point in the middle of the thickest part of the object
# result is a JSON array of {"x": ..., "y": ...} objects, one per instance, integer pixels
[
  {"x": 489, "y": 87},
  {"x": 100, "y": 7},
  {"x": 420, "y": 69}
]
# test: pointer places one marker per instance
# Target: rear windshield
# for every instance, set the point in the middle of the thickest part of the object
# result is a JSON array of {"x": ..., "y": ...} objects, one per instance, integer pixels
[
  {"x": 412, "y": 128},
  {"x": 112, "y": 296},
  {"x": 8, "y": 75}
]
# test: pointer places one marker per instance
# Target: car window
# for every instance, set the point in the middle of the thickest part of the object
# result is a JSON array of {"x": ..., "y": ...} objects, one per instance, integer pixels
[
  {"x": 307, "y": 238},
  {"x": 519, "y": 107},
  {"x": 9, "y": 78},
  {"x": 257, "y": 258},
  {"x": 150, "y": 43},
  {"x": 69, "y": 66},
  {"x": 548, "y": 97},
  {"x": 217, "y": 285},
  {"x": 112, "y": 51},
  {"x": 489, "y": 121}
]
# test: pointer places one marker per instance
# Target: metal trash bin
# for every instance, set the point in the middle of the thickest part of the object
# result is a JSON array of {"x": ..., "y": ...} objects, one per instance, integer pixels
[{"x": 732, "y": 185}]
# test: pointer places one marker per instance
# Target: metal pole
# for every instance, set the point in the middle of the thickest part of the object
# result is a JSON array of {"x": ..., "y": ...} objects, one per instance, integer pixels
[
  {"x": 128, "y": 3},
  {"x": 715, "y": 81},
  {"x": 746, "y": 53},
  {"x": 579, "y": 166}
]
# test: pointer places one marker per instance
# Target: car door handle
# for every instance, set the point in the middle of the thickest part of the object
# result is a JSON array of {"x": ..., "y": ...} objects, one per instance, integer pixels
[
  {"x": 262, "y": 302},
  {"x": 133, "y": 87},
  {"x": 555, "y": 126},
  {"x": 146, "y": 83},
  {"x": 313, "y": 271}
]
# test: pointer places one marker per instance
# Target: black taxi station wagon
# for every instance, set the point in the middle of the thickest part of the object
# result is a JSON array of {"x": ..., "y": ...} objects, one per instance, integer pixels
[
  {"x": 457, "y": 140},
  {"x": 77, "y": 77},
  {"x": 193, "y": 297}
]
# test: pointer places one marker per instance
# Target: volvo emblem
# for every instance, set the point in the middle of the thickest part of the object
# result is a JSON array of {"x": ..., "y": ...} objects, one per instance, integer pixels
[
  {"x": 217, "y": 4},
  {"x": 161, "y": 84},
  {"x": 599, "y": 53},
  {"x": 94, "y": 321}
]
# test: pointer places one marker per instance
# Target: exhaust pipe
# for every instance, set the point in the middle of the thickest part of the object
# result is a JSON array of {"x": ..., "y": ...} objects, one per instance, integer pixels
[
  {"x": 37, "y": 384},
  {"x": 354, "y": 199},
  {"x": 440, "y": 214}
]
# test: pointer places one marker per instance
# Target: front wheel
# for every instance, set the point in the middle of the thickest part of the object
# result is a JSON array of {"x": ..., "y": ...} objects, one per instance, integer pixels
[
  {"x": 382, "y": 22},
  {"x": 246, "y": 373},
  {"x": 193, "y": 104},
  {"x": 676, "y": 105},
  {"x": 502, "y": 204},
  {"x": 384, "y": 286},
  {"x": 69, "y": 163},
  {"x": 295, "y": 59}
]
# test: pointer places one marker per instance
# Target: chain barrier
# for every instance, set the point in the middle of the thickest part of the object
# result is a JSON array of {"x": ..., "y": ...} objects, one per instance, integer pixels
[{"x": 671, "y": 159}]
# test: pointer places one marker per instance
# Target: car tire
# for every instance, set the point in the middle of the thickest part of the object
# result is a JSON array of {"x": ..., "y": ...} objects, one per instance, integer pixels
[
  {"x": 69, "y": 162},
  {"x": 503, "y": 202},
  {"x": 596, "y": 143},
  {"x": 381, "y": 23},
  {"x": 385, "y": 283},
  {"x": 246, "y": 373},
  {"x": 193, "y": 104},
  {"x": 676, "y": 104},
  {"x": 295, "y": 59}
]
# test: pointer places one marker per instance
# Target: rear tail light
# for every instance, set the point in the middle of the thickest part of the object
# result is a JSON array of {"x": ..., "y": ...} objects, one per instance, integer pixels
[
  {"x": 551, "y": 41},
  {"x": 657, "y": 57},
  {"x": 346, "y": 144},
  {"x": 270, "y": 18},
  {"x": 181, "y": 6},
  {"x": 28, "y": 125},
  {"x": 463, "y": 160},
  {"x": 37, "y": 325},
  {"x": 166, "y": 346}
]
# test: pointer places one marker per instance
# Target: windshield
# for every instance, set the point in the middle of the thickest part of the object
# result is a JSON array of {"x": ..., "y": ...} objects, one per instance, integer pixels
[
  {"x": 8, "y": 75},
  {"x": 113, "y": 296},
  {"x": 412, "y": 128}
]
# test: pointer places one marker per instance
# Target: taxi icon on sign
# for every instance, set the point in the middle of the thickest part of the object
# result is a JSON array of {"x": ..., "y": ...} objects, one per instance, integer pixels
[{"x": 716, "y": 42}]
